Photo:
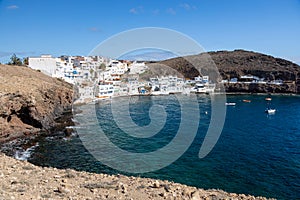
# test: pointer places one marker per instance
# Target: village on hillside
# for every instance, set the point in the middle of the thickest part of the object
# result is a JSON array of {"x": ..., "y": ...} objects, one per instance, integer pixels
[{"x": 96, "y": 78}]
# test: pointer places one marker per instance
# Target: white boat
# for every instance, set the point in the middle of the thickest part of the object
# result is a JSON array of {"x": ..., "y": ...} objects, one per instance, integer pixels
[
  {"x": 199, "y": 88},
  {"x": 230, "y": 104},
  {"x": 268, "y": 99},
  {"x": 270, "y": 111}
]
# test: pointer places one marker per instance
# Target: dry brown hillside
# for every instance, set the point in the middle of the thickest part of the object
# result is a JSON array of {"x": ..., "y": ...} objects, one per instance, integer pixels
[{"x": 30, "y": 101}]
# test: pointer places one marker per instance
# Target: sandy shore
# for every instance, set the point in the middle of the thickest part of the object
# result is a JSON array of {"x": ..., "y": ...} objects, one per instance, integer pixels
[{"x": 23, "y": 180}]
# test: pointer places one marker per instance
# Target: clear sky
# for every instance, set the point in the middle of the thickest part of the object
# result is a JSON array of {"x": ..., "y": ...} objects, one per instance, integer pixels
[{"x": 34, "y": 27}]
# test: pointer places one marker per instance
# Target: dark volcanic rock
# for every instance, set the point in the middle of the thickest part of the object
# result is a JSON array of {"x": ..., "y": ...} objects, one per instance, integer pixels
[
  {"x": 288, "y": 88},
  {"x": 233, "y": 64},
  {"x": 30, "y": 101}
]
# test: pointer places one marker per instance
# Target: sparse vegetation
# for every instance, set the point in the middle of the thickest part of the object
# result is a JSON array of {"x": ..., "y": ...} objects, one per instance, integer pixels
[
  {"x": 102, "y": 66},
  {"x": 14, "y": 60},
  {"x": 25, "y": 61}
]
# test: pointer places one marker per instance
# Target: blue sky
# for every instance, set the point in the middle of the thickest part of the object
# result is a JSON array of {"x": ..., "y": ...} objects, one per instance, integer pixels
[{"x": 34, "y": 27}]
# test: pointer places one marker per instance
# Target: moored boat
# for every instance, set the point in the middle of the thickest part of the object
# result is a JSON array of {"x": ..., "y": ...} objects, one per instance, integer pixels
[
  {"x": 246, "y": 100},
  {"x": 230, "y": 104},
  {"x": 268, "y": 99},
  {"x": 270, "y": 111}
]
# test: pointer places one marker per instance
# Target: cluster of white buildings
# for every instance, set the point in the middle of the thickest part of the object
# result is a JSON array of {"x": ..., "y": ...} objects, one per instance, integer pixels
[
  {"x": 250, "y": 79},
  {"x": 69, "y": 68},
  {"x": 100, "y": 78}
]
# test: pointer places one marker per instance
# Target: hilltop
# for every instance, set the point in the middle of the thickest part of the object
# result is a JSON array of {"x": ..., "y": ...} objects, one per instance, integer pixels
[
  {"x": 234, "y": 64},
  {"x": 30, "y": 101}
]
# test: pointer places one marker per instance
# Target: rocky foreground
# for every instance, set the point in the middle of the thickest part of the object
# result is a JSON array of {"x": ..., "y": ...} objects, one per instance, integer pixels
[{"x": 22, "y": 180}]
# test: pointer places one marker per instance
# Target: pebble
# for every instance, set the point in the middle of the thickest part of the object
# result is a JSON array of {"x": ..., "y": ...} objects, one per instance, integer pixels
[
  {"x": 196, "y": 196},
  {"x": 156, "y": 184},
  {"x": 167, "y": 188}
]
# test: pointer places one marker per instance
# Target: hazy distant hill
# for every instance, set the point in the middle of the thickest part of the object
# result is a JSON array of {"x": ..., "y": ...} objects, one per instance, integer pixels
[{"x": 233, "y": 64}]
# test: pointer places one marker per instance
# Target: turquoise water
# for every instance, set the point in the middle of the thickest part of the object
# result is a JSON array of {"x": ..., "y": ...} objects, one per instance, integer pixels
[{"x": 256, "y": 154}]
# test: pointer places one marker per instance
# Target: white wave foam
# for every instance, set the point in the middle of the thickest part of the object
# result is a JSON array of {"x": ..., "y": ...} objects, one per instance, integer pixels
[{"x": 25, "y": 154}]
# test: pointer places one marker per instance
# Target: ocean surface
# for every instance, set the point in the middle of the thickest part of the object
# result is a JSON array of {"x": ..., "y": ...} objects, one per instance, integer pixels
[{"x": 256, "y": 153}]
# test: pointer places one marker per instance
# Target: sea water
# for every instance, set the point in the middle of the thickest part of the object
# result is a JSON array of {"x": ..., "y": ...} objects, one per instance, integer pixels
[{"x": 256, "y": 153}]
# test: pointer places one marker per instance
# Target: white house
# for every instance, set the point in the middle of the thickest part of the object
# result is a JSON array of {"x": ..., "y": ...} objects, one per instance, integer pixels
[{"x": 45, "y": 63}]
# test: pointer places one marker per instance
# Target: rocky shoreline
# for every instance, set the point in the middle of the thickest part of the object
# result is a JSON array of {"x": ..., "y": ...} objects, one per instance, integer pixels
[
  {"x": 23, "y": 180},
  {"x": 286, "y": 88},
  {"x": 35, "y": 105},
  {"x": 62, "y": 129}
]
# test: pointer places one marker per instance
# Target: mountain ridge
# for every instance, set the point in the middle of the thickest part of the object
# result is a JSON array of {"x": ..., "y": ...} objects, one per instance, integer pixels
[{"x": 224, "y": 65}]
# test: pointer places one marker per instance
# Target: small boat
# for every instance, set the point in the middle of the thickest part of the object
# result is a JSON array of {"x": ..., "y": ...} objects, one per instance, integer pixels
[
  {"x": 270, "y": 111},
  {"x": 246, "y": 100},
  {"x": 268, "y": 99},
  {"x": 230, "y": 104}
]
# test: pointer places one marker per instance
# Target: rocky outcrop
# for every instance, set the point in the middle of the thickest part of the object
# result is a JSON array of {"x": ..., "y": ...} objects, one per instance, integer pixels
[
  {"x": 30, "y": 101},
  {"x": 286, "y": 88},
  {"x": 234, "y": 64},
  {"x": 22, "y": 180}
]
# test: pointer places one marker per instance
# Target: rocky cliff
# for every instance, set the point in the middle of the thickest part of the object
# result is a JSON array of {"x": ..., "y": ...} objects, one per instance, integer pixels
[
  {"x": 234, "y": 64},
  {"x": 30, "y": 101}
]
